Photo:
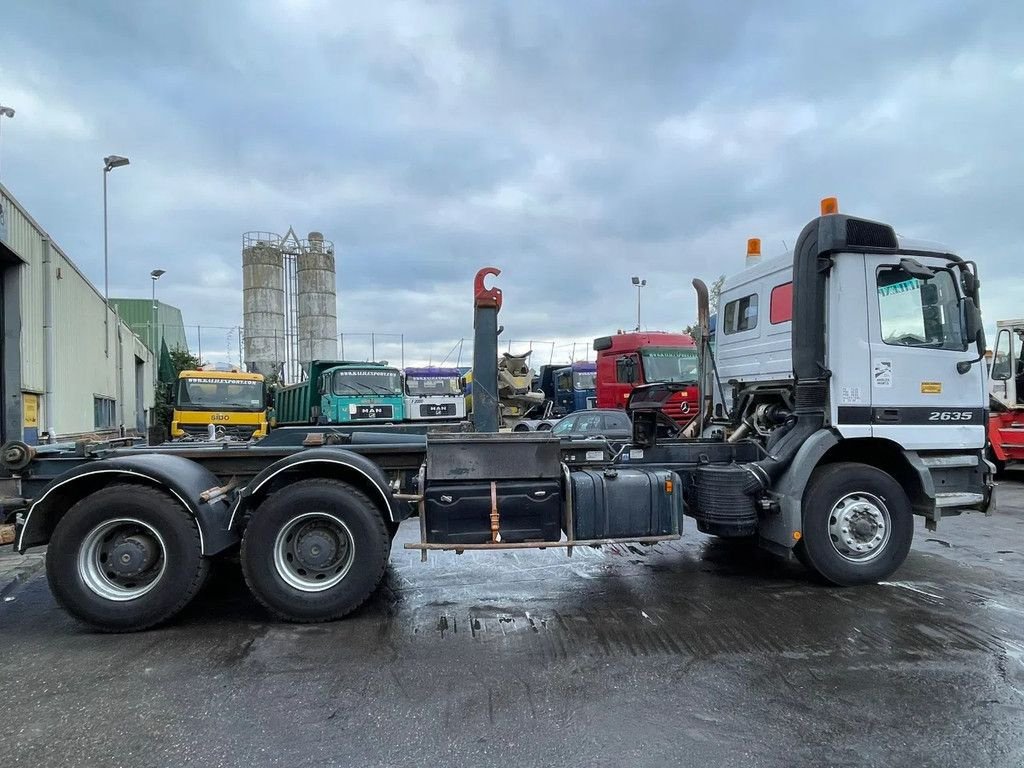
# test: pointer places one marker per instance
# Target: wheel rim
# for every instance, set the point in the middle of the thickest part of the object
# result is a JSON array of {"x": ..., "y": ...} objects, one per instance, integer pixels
[
  {"x": 122, "y": 559},
  {"x": 313, "y": 552},
  {"x": 859, "y": 526}
]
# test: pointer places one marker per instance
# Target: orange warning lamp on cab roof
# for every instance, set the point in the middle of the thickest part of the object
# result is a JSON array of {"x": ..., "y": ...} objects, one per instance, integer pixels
[
  {"x": 754, "y": 246},
  {"x": 829, "y": 205}
]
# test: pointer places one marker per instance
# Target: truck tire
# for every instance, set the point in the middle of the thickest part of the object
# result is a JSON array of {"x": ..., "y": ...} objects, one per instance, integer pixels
[
  {"x": 857, "y": 524},
  {"x": 125, "y": 558},
  {"x": 315, "y": 550}
]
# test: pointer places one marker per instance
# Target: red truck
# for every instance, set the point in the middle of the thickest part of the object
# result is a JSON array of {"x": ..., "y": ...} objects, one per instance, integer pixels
[{"x": 627, "y": 360}]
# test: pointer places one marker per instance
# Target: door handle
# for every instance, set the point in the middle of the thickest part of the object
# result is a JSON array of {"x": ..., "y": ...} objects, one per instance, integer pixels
[{"x": 887, "y": 416}]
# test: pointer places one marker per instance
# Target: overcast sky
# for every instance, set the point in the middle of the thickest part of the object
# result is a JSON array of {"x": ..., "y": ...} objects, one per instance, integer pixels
[{"x": 571, "y": 144}]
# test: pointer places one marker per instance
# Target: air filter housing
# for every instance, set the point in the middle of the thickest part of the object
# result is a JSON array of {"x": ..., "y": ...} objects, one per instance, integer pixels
[{"x": 723, "y": 507}]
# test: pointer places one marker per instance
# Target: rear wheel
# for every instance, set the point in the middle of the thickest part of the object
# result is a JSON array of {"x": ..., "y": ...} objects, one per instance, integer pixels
[
  {"x": 125, "y": 558},
  {"x": 315, "y": 550},
  {"x": 857, "y": 524}
]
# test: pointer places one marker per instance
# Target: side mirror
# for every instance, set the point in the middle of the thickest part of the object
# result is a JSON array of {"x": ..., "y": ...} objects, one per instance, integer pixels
[
  {"x": 975, "y": 329},
  {"x": 972, "y": 319},
  {"x": 929, "y": 294},
  {"x": 968, "y": 282}
]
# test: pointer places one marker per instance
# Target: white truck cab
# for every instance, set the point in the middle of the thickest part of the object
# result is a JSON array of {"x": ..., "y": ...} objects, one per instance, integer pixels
[
  {"x": 859, "y": 350},
  {"x": 893, "y": 340},
  {"x": 433, "y": 394}
]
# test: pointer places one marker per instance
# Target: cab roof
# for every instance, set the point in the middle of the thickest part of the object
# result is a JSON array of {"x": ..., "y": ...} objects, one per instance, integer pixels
[
  {"x": 784, "y": 261},
  {"x": 237, "y": 375}
]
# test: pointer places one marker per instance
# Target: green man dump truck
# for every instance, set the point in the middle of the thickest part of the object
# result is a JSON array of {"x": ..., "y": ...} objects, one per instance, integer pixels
[
  {"x": 339, "y": 392},
  {"x": 818, "y": 445}
]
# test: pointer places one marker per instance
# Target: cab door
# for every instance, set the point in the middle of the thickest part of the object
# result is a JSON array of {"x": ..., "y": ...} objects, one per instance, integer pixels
[
  {"x": 1004, "y": 368},
  {"x": 916, "y": 337}
]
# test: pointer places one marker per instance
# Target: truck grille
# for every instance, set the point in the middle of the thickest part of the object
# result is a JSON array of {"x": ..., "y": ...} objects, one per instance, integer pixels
[
  {"x": 239, "y": 431},
  {"x": 678, "y": 408}
]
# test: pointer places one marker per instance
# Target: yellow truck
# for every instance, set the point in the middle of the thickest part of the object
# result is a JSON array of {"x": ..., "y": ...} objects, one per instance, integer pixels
[{"x": 234, "y": 402}]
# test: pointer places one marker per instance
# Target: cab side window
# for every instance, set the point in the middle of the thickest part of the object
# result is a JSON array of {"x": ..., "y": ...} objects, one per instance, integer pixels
[
  {"x": 741, "y": 314},
  {"x": 1001, "y": 357},
  {"x": 625, "y": 369}
]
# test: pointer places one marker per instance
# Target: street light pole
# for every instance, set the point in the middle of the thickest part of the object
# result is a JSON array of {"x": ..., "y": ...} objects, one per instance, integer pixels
[
  {"x": 109, "y": 163},
  {"x": 4, "y": 112},
  {"x": 640, "y": 284},
  {"x": 154, "y": 275}
]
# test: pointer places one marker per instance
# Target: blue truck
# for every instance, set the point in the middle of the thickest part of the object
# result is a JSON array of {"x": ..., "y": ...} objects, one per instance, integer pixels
[{"x": 575, "y": 388}]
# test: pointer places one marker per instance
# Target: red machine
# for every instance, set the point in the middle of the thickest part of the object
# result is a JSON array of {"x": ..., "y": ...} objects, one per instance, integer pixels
[
  {"x": 627, "y": 360},
  {"x": 1006, "y": 418}
]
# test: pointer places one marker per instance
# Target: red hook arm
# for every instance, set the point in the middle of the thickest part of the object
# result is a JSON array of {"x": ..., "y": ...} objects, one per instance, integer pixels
[{"x": 482, "y": 295}]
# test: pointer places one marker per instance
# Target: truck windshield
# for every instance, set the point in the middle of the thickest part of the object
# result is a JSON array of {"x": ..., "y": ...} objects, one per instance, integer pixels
[
  {"x": 584, "y": 379},
  {"x": 919, "y": 313},
  {"x": 356, "y": 383},
  {"x": 427, "y": 386},
  {"x": 220, "y": 394},
  {"x": 669, "y": 364}
]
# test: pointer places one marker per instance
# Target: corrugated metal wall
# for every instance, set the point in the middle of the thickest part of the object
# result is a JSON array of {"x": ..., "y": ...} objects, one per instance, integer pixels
[
  {"x": 82, "y": 368},
  {"x": 138, "y": 314}
]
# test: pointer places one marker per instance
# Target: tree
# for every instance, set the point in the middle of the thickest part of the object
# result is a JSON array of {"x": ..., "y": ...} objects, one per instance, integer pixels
[{"x": 714, "y": 294}]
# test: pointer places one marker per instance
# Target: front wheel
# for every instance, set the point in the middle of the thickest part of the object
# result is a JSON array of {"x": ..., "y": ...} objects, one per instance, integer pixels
[
  {"x": 857, "y": 524},
  {"x": 315, "y": 550}
]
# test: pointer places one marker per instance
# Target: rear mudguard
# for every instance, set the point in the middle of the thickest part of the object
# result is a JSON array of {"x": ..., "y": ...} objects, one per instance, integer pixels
[
  {"x": 181, "y": 478},
  {"x": 331, "y": 462}
]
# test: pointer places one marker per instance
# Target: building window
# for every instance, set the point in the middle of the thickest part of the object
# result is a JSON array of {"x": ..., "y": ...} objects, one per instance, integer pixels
[
  {"x": 741, "y": 314},
  {"x": 780, "y": 307},
  {"x": 103, "y": 412}
]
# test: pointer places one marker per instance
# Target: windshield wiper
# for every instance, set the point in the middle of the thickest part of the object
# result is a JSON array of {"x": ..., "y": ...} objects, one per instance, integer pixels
[{"x": 367, "y": 387}]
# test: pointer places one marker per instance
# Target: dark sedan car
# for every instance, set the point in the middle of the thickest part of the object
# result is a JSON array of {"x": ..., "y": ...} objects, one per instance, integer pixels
[{"x": 603, "y": 422}]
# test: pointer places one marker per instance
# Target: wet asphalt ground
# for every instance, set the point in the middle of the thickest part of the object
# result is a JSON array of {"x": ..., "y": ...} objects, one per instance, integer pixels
[{"x": 693, "y": 653}]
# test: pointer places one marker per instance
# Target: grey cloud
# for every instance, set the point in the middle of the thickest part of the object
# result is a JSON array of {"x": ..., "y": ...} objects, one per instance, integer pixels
[{"x": 570, "y": 144}]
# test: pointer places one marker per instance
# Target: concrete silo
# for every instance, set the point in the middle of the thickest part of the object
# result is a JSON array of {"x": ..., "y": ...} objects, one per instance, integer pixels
[
  {"x": 263, "y": 302},
  {"x": 316, "y": 300}
]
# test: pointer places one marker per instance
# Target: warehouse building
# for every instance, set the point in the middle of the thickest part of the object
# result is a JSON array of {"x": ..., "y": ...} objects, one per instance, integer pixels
[
  {"x": 70, "y": 367},
  {"x": 156, "y": 323}
]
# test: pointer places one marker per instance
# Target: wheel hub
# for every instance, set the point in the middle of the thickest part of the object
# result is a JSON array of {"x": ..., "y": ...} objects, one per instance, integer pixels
[
  {"x": 859, "y": 526},
  {"x": 131, "y": 556},
  {"x": 313, "y": 551},
  {"x": 122, "y": 559},
  {"x": 316, "y": 548}
]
